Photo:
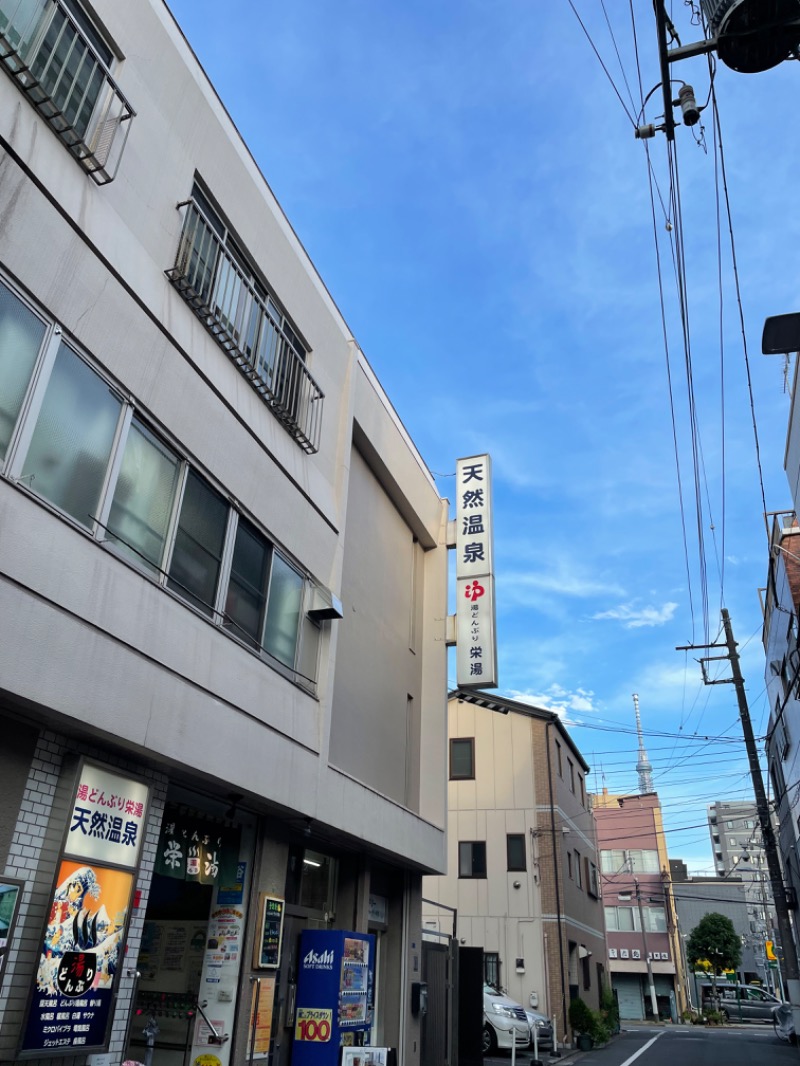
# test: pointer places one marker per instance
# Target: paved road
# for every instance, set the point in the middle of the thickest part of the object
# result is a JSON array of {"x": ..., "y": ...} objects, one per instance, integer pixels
[
  {"x": 680, "y": 1046},
  {"x": 694, "y": 1046}
]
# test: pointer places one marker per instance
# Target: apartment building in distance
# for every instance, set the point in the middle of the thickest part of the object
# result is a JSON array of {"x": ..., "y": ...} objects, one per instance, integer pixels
[
  {"x": 213, "y": 526},
  {"x": 522, "y": 870},
  {"x": 739, "y": 852}
]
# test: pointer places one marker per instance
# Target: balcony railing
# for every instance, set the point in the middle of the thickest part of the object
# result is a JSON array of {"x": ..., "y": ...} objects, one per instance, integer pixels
[
  {"x": 227, "y": 302},
  {"x": 52, "y": 61}
]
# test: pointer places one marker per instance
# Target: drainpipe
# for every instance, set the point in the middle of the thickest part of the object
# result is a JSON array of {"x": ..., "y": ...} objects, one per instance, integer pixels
[{"x": 556, "y": 868}]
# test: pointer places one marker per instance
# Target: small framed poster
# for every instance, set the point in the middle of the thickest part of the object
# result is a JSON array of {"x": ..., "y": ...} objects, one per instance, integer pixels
[
  {"x": 368, "y": 1056},
  {"x": 10, "y": 895},
  {"x": 270, "y": 933}
]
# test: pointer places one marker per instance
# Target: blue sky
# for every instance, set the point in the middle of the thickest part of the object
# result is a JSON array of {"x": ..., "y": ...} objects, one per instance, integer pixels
[{"x": 469, "y": 187}]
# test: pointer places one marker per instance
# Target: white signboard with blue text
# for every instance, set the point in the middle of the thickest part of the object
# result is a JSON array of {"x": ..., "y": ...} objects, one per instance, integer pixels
[
  {"x": 108, "y": 817},
  {"x": 476, "y": 641}
]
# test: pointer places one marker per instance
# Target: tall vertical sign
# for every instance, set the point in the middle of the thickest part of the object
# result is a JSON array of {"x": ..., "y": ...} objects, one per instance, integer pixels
[
  {"x": 476, "y": 641},
  {"x": 83, "y": 943}
]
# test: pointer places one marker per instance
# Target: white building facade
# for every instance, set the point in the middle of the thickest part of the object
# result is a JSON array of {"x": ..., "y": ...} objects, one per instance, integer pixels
[
  {"x": 782, "y": 672},
  {"x": 223, "y": 572}
]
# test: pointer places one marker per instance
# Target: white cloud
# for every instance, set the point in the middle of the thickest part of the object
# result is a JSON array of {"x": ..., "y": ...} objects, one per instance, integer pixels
[
  {"x": 637, "y": 617},
  {"x": 564, "y": 577},
  {"x": 556, "y": 698}
]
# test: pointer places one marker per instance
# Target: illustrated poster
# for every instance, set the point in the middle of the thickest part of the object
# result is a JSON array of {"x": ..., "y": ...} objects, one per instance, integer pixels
[{"x": 80, "y": 957}]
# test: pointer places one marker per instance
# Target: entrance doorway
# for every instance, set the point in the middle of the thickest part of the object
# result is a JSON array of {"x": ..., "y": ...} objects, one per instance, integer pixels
[
  {"x": 190, "y": 955},
  {"x": 311, "y": 890},
  {"x": 171, "y": 960}
]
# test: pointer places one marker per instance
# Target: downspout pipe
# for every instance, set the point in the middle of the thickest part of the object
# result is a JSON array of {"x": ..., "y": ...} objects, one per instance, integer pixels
[{"x": 556, "y": 871}]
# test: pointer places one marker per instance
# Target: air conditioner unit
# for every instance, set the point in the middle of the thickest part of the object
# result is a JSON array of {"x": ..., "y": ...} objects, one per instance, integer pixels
[{"x": 324, "y": 605}]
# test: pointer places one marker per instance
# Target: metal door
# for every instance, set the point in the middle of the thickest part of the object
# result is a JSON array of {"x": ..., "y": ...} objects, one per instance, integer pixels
[
  {"x": 283, "y": 1009},
  {"x": 435, "y": 1024},
  {"x": 470, "y": 1006},
  {"x": 629, "y": 994}
]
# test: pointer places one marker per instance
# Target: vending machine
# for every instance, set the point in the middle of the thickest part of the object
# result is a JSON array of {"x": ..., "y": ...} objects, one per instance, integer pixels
[{"x": 335, "y": 994}]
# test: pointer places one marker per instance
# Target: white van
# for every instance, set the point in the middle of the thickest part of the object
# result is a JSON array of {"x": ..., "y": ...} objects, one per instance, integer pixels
[{"x": 504, "y": 1022}]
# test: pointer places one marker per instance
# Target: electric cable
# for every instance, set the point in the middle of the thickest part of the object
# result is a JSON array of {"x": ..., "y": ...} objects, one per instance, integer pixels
[{"x": 602, "y": 64}]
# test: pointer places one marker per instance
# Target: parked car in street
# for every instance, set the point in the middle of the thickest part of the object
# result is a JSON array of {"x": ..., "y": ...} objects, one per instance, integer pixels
[
  {"x": 544, "y": 1029},
  {"x": 739, "y": 1003},
  {"x": 505, "y": 1022}
]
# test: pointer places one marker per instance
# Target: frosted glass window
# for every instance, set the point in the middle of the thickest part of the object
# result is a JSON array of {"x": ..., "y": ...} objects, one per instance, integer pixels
[
  {"x": 143, "y": 498},
  {"x": 196, "y": 558},
  {"x": 613, "y": 861},
  {"x": 645, "y": 862},
  {"x": 621, "y": 920},
  {"x": 21, "y": 335},
  {"x": 655, "y": 919},
  {"x": 283, "y": 611},
  {"x": 627, "y": 919},
  {"x": 71, "y": 444},
  {"x": 244, "y": 607}
]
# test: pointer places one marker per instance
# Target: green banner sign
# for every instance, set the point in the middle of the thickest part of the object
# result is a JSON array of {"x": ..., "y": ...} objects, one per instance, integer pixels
[{"x": 194, "y": 848}]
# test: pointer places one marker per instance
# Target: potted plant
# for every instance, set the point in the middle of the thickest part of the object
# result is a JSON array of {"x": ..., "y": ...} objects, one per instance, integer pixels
[{"x": 582, "y": 1021}]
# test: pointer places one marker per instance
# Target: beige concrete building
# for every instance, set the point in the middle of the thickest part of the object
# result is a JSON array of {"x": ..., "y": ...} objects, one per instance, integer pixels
[
  {"x": 522, "y": 869},
  {"x": 213, "y": 528}
]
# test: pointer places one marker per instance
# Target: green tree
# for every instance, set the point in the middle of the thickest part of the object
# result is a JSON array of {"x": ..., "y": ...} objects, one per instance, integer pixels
[{"x": 714, "y": 940}]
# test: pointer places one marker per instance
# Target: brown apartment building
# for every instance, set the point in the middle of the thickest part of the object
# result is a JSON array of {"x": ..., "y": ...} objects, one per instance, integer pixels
[
  {"x": 636, "y": 885},
  {"x": 523, "y": 868}
]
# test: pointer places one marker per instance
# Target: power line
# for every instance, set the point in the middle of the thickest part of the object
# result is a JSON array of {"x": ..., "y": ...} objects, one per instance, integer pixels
[{"x": 602, "y": 64}]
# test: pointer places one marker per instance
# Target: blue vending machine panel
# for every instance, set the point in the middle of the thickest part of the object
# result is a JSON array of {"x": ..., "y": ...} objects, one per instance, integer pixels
[{"x": 334, "y": 995}]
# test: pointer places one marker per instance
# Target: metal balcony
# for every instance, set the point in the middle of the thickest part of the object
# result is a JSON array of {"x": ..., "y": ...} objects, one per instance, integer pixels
[
  {"x": 51, "y": 59},
  {"x": 246, "y": 325}
]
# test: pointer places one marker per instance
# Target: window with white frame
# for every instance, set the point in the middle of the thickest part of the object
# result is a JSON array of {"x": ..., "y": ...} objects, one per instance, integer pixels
[
  {"x": 620, "y": 860},
  {"x": 626, "y": 919},
  {"x": 70, "y": 437}
]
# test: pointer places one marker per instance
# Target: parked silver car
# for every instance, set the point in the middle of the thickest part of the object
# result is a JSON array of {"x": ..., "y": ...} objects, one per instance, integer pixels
[
  {"x": 739, "y": 1003},
  {"x": 505, "y": 1023},
  {"x": 544, "y": 1029}
]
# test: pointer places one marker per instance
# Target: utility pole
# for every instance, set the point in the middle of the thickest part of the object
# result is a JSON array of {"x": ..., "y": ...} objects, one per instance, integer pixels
[
  {"x": 625, "y": 896},
  {"x": 788, "y": 959},
  {"x": 651, "y": 981}
]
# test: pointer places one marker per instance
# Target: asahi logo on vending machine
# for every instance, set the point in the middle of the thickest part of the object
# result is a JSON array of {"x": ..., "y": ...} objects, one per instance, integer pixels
[{"x": 318, "y": 960}]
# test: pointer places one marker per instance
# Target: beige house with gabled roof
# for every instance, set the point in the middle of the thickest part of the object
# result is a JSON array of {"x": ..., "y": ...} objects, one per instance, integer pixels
[{"x": 522, "y": 871}]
